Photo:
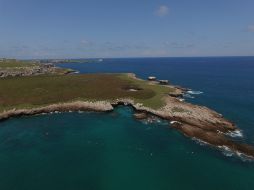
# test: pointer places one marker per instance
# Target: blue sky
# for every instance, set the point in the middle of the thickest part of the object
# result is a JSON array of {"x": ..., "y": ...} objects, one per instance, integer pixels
[{"x": 130, "y": 28}]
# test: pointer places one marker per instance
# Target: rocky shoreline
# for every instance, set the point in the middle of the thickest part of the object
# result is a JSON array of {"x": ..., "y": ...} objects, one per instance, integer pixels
[
  {"x": 100, "y": 106},
  {"x": 193, "y": 121}
]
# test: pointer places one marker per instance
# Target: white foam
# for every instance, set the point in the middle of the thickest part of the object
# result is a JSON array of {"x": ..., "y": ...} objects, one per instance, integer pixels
[
  {"x": 200, "y": 142},
  {"x": 229, "y": 153},
  {"x": 244, "y": 157},
  {"x": 194, "y": 92},
  {"x": 235, "y": 134},
  {"x": 155, "y": 120},
  {"x": 172, "y": 122},
  {"x": 226, "y": 151},
  {"x": 133, "y": 90},
  {"x": 188, "y": 96}
]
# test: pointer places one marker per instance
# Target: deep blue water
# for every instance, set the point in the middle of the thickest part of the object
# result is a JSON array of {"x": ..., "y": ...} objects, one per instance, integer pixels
[{"x": 100, "y": 151}]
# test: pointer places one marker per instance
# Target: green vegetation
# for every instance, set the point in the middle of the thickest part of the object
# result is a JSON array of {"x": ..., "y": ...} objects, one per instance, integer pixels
[
  {"x": 34, "y": 91},
  {"x": 159, "y": 91},
  {"x": 62, "y": 71},
  {"x": 13, "y": 63},
  {"x": 13, "y": 67}
]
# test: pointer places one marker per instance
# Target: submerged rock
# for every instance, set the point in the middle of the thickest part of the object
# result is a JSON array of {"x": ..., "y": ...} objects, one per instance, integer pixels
[{"x": 140, "y": 116}]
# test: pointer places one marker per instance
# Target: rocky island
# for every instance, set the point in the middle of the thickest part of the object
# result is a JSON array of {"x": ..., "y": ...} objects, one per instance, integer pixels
[{"x": 44, "y": 93}]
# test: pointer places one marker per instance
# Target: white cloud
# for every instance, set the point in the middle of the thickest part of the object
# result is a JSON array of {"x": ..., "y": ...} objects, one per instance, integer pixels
[
  {"x": 178, "y": 45},
  {"x": 162, "y": 11},
  {"x": 251, "y": 28},
  {"x": 86, "y": 42}
]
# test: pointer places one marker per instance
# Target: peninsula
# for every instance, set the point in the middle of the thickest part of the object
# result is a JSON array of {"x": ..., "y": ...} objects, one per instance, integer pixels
[{"x": 57, "y": 92}]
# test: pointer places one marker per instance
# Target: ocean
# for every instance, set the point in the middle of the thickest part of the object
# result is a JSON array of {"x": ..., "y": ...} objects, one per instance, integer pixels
[{"x": 111, "y": 151}]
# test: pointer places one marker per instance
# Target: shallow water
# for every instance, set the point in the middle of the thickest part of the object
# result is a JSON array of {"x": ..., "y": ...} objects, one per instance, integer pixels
[{"x": 114, "y": 151}]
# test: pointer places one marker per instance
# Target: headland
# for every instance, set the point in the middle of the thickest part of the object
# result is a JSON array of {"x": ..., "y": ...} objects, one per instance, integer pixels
[{"x": 45, "y": 93}]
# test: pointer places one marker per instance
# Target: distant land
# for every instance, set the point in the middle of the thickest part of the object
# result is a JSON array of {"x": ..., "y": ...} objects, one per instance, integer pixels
[
  {"x": 58, "y": 61},
  {"x": 15, "y": 68}
]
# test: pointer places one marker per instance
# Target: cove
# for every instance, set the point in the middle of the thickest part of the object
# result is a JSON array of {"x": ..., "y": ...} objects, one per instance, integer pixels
[{"x": 110, "y": 151}]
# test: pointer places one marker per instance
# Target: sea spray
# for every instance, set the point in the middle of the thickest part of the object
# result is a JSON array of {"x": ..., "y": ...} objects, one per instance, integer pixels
[
  {"x": 235, "y": 134},
  {"x": 194, "y": 92}
]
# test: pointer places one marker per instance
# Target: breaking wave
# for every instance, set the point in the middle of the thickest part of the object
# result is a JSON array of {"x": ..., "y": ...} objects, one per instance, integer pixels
[
  {"x": 154, "y": 120},
  {"x": 230, "y": 153},
  {"x": 194, "y": 92},
  {"x": 235, "y": 134},
  {"x": 200, "y": 142},
  {"x": 188, "y": 96},
  {"x": 226, "y": 151}
]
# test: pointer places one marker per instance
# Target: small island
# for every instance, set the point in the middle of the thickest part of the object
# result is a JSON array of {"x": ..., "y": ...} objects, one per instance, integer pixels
[{"x": 43, "y": 88}]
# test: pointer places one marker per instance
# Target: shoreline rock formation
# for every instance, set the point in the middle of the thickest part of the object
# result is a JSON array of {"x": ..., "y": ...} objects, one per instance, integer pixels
[
  {"x": 100, "y": 106},
  {"x": 193, "y": 121}
]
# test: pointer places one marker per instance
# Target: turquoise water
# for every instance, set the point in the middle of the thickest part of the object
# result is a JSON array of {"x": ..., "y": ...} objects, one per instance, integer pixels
[
  {"x": 96, "y": 151},
  {"x": 110, "y": 151}
]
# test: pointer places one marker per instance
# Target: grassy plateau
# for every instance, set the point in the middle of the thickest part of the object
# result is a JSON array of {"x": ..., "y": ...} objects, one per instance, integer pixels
[
  {"x": 12, "y": 63},
  {"x": 36, "y": 91}
]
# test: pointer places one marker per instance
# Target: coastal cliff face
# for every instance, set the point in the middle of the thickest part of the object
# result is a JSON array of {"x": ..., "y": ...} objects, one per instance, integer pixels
[
  {"x": 193, "y": 121},
  {"x": 101, "y": 106}
]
